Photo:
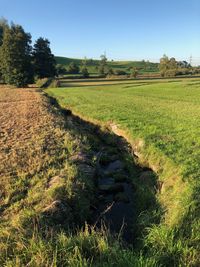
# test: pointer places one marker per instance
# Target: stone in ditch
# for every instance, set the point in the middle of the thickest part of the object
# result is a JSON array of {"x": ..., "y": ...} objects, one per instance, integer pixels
[
  {"x": 106, "y": 181},
  {"x": 115, "y": 166},
  {"x": 121, "y": 197},
  {"x": 112, "y": 188},
  {"x": 119, "y": 177}
]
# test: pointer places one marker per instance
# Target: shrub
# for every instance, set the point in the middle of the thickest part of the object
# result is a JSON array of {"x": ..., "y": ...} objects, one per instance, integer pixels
[{"x": 120, "y": 72}]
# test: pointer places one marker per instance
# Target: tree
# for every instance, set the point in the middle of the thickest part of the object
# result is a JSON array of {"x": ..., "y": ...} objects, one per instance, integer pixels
[
  {"x": 110, "y": 71},
  {"x": 163, "y": 66},
  {"x": 15, "y": 56},
  {"x": 103, "y": 60},
  {"x": 43, "y": 60},
  {"x": 85, "y": 72},
  {"x": 134, "y": 73},
  {"x": 168, "y": 67},
  {"x": 102, "y": 64},
  {"x": 101, "y": 70},
  {"x": 73, "y": 68},
  {"x": 60, "y": 69},
  {"x": 3, "y": 25}
]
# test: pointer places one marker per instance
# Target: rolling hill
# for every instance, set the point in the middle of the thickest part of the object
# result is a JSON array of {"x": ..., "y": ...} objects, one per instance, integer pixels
[{"x": 92, "y": 64}]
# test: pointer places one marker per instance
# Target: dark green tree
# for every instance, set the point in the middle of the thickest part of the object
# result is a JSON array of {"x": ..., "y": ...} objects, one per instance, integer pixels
[
  {"x": 85, "y": 72},
  {"x": 15, "y": 56},
  {"x": 73, "y": 68},
  {"x": 134, "y": 73},
  {"x": 110, "y": 72},
  {"x": 60, "y": 69},
  {"x": 102, "y": 65},
  {"x": 3, "y": 25},
  {"x": 43, "y": 60}
]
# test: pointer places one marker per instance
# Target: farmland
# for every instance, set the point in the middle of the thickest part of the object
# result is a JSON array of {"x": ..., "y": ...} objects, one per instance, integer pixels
[
  {"x": 161, "y": 121},
  {"x": 92, "y": 65},
  {"x": 48, "y": 186}
]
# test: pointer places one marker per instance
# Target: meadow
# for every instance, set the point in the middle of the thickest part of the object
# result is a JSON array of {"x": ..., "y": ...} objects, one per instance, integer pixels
[
  {"x": 92, "y": 65},
  {"x": 160, "y": 119}
]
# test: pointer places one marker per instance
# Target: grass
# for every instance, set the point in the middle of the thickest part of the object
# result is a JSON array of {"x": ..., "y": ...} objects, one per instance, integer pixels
[
  {"x": 144, "y": 67},
  {"x": 45, "y": 194},
  {"x": 161, "y": 121}
]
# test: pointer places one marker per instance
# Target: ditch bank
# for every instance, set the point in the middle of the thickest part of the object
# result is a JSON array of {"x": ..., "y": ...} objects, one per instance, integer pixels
[{"x": 125, "y": 199}]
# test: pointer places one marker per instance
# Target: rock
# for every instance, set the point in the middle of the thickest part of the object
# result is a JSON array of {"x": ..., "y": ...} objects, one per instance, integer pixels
[
  {"x": 108, "y": 198},
  {"x": 106, "y": 181},
  {"x": 120, "y": 177},
  {"x": 112, "y": 188},
  {"x": 87, "y": 170},
  {"x": 121, "y": 197},
  {"x": 114, "y": 166},
  {"x": 106, "y": 159}
]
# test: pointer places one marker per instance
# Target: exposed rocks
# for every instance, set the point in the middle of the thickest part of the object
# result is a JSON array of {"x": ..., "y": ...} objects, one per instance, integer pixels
[
  {"x": 122, "y": 197},
  {"x": 115, "y": 166},
  {"x": 113, "y": 188},
  {"x": 87, "y": 170}
]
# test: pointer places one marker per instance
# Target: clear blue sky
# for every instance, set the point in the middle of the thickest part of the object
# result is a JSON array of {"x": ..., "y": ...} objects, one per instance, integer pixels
[{"x": 128, "y": 29}]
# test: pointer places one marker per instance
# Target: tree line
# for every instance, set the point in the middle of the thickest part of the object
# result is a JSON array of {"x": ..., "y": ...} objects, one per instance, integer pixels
[
  {"x": 170, "y": 67},
  {"x": 20, "y": 62},
  {"x": 102, "y": 67}
]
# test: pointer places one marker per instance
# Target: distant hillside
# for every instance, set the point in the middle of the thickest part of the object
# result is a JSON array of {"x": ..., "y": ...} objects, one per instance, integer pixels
[{"x": 142, "y": 66}]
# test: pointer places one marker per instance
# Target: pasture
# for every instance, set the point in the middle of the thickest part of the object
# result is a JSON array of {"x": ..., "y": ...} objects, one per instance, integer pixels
[
  {"x": 92, "y": 65},
  {"x": 160, "y": 118}
]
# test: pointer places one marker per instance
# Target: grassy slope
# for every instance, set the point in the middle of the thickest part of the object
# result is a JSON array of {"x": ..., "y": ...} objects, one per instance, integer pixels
[
  {"x": 166, "y": 116},
  {"x": 116, "y": 65},
  {"x": 46, "y": 189}
]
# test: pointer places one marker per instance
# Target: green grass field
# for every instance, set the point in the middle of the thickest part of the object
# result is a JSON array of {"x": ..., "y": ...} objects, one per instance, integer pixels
[
  {"x": 144, "y": 67},
  {"x": 161, "y": 120}
]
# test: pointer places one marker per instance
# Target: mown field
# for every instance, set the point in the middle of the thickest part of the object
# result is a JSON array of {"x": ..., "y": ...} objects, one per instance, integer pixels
[{"x": 161, "y": 121}]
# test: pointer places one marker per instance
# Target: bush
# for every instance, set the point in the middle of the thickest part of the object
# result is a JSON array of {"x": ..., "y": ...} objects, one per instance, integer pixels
[
  {"x": 85, "y": 72},
  {"x": 73, "y": 68},
  {"x": 120, "y": 72},
  {"x": 60, "y": 69}
]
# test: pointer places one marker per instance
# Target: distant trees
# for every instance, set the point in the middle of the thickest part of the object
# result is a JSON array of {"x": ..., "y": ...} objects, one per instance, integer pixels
[
  {"x": 110, "y": 72},
  {"x": 19, "y": 62},
  {"x": 73, "y": 68},
  {"x": 43, "y": 60},
  {"x": 120, "y": 72},
  {"x": 3, "y": 25},
  {"x": 102, "y": 65},
  {"x": 85, "y": 72},
  {"x": 60, "y": 69},
  {"x": 134, "y": 72},
  {"x": 15, "y": 56},
  {"x": 169, "y": 67}
]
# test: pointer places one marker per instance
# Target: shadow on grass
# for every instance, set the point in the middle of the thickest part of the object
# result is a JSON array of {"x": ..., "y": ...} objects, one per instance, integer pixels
[{"x": 125, "y": 218}]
